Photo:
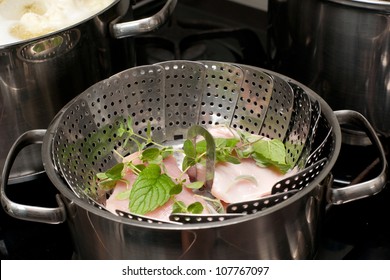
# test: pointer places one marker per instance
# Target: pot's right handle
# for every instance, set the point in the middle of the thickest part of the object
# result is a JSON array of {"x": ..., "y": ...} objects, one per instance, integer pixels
[
  {"x": 25, "y": 212},
  {"x": 367, "y": 188},
  {"x": 136, "y": 27}
]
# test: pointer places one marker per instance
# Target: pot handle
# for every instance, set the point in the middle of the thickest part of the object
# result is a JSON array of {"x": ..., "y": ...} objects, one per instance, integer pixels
[
  {"x": 25, "y": 212},
  {"x": 136, "y": 27},
  {"x": 367, "y": 188}
]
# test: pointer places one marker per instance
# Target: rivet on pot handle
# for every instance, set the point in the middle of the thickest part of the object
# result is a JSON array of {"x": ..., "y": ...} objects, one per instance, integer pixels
[
  {"x": 367, "y": 188},
  {"x": 25, "y": 212},
  {"x": 132, "y": 28}
]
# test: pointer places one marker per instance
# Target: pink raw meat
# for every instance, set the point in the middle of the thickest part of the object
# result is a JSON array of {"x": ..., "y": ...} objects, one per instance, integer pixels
[
  {"x": 240, "y": 182},
  {"x": 162, "y": 212}
]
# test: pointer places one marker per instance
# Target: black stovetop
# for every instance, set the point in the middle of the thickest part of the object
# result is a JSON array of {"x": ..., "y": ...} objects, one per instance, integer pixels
[{"x": 222, "y": 31}]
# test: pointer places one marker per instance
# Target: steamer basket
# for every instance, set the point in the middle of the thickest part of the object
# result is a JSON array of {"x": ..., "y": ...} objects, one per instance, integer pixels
[{"x": 171, "y": 97}]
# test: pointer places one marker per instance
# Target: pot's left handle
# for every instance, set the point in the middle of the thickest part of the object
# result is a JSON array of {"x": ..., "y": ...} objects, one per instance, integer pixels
[
  {"x": 25, "y": 212},
  {"x": 367, "y": 188},
  {"x": 136, "y": 27}
]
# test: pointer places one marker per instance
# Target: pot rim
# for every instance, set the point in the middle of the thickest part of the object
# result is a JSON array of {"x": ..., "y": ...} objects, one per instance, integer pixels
[
  {"x": 367, "y": 4},
  {"x": 69, "y": 194},
  {"x": 49, "y": 35}
]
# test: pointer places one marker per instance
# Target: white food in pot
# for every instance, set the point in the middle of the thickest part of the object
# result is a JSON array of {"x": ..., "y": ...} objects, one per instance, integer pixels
[{"x": 27, "y": 19}]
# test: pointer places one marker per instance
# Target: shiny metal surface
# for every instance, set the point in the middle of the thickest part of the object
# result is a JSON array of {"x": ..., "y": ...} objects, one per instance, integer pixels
[
  {"x": 338, "y": 50},
  {"x": 136, "y": 27},
  {"x": 38, "y": 77},
  {"x": 367, "y": 188},
  {"x": 288, "y": 230},
  {"x": 273, "y": 236},
  {"x": 21, "y": 211},
  {"x": 368, "y": 4},
  {"x": 192, "y": 134}
]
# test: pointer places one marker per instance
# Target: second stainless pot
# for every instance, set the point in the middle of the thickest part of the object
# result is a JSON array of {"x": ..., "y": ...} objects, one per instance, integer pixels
[
  {"x": 39, "y": 76},
  {"x": 340, "y": 49}
]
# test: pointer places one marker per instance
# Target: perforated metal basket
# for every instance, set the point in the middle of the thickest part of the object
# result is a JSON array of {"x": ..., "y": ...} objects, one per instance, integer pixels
[{"x": 172, "y": 96}]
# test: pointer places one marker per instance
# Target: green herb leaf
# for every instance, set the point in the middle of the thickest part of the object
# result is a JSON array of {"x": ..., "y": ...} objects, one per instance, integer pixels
[
  {"x": 138, "y": 168},
  {"x": 225, "y": 148},
  {"x": 150, "y": 190},
  {"x": 130, "y": 125},
  {"x": 195, "y": 208},
  {"x": 226, "y": 142},
  {"x": 176, "y": 189},
  {"x": 232, "y": 159},
  {"x": 187, "y": 163},
  {"x": 179, "y": 207},
  {"x": 189, "y": 149},
  {"x": 271, "y": 152},
  {"x": 195, "y": 185},
  {"x": 109, "y": 178},
  {"x": 121, "y": 130},
  {"x": 115, "y": 172},
  {"x": 149, "y": 133},
  {"x": 107, "y": 184},
  {"x": 201, "y": 146},
  {"x": 101, "y": 176},
  {"x": 152, "y": 155}
]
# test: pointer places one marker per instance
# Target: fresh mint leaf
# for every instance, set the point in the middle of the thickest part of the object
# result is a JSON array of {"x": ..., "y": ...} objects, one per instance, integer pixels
[
  {"x": 130, "y": 125},
  {"x": 107, "y": 184},
  {"x": 232, "y": 159},
  {"x": 201, "y": 147},
  {"x": 179, "y": 207},
  {"x": 176, "y": 189},
  {"x": 149, "y": 133},
  {"x": 139, "y": 167},
  {"x": 226, "y": 142},
  {"x": 101, "y": 176},
  {"x": 188, "y": 162},
  {"x": 189, "y": 149},
  {"x": 225, "y": 148},
  {"x": 195, "y": 185},
  {"x": 121, "y": 130},
  {"x": 150, "y": 190},
  {"x": 108, "y": 179},
  {"x": 115, "y": 172},
  {"x": 195, "y": 208},
  {"x": 151, "y": 155},
  {"x": 271, "y": 152}
]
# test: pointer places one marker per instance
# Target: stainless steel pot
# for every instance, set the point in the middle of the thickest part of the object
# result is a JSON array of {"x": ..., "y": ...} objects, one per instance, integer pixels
[
  {"x": 39, "y": 76},
  {"x": 338, "y": 48},
  {"x": 287, "y": 230}
]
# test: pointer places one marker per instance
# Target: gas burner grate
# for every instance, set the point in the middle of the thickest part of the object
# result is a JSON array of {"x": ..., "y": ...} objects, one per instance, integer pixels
[{"x": 190, "y": 36}]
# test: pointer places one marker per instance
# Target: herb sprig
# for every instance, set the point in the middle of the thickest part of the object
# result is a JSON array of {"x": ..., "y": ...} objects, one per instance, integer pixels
[
  {"x": 265, "y": 152},
  {"x": 153, "y": 187}
]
